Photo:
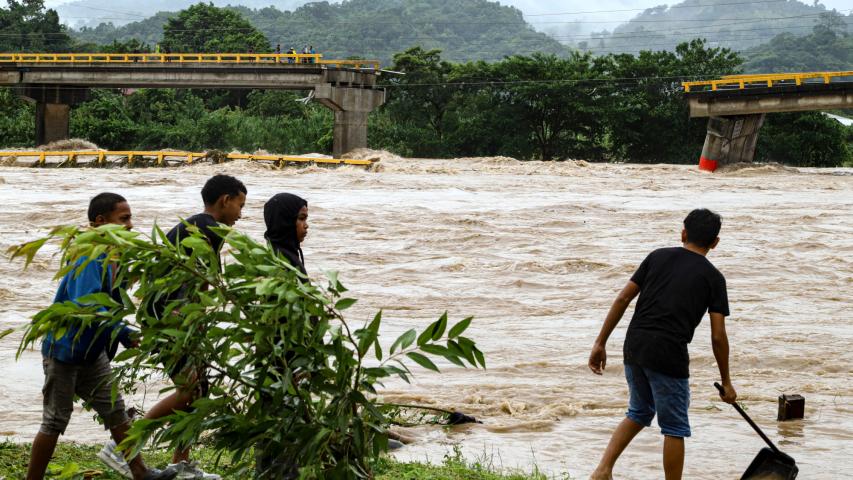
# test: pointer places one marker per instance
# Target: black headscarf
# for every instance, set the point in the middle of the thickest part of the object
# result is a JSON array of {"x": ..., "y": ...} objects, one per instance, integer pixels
[{"x": 280, "y": 214}]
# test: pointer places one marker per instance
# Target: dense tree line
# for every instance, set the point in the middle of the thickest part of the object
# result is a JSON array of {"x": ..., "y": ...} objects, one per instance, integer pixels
[{"x": 538, "y": 106}]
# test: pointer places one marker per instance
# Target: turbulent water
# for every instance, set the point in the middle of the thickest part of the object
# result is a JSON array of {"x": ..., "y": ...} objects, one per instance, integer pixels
[{"x": 536, "y": 251}]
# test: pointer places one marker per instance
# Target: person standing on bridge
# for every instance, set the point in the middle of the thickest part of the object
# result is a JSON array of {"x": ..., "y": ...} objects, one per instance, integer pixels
[{"x": 676, "y": 287}]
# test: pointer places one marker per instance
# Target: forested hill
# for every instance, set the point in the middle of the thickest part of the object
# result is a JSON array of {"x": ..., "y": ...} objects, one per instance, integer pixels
[
  {"x": 735, "y": 24},
  {"x": 828, "y": 48},
  {"x": 463, "y": 29}
]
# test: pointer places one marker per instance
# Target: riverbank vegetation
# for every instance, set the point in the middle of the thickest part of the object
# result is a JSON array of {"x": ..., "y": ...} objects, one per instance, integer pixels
[{"x": 82, "y": 458}]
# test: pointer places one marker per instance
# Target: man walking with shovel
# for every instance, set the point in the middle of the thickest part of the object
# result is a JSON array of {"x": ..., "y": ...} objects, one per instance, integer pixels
[{"x": 676, "y": 287}]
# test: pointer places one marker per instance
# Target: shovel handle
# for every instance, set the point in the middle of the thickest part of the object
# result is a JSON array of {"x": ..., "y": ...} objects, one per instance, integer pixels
[{"x": 749, "y": 421}]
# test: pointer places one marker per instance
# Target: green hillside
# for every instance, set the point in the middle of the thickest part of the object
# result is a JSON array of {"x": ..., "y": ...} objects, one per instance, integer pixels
[
  {"x": 828, "y": 48},
  {"x": 464, "y": 30},
  {"x": 734, "y": 24}
]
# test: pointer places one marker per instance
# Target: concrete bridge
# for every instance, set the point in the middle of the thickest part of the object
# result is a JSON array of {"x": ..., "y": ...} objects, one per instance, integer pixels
[
  {"x": 56, "y": 82},
  {"x": 736, "y": 106}
]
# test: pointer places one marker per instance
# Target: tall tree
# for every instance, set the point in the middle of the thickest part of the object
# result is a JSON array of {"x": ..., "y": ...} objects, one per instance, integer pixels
[
  {"x": 26, "y": 26},
  {"x": 204, "y": 28}
]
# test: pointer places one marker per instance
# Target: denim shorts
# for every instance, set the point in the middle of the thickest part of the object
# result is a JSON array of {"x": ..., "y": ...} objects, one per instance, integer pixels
[{"x": 653, "y": 393}]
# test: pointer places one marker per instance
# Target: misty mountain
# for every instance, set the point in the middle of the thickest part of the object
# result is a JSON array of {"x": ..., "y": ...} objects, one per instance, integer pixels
[
  {"x": 735, "y": 24},
  {"x": 91, "y": 13}
]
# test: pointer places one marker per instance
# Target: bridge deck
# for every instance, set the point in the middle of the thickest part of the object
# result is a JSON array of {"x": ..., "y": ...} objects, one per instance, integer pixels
[
  {"x": 768, "y": 80},
  {"x": 186, "y": 58}
]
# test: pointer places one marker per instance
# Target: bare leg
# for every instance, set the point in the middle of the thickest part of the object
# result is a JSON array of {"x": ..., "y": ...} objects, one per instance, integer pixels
[
  {"x": 673, "y": 457},
  {"x": 178, "y": 401},
  {"x": 622, "y": 436},
  {"x": 42, "y": 451}
]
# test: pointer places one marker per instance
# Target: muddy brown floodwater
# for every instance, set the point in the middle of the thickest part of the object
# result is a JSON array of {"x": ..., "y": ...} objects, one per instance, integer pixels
[{"x": 536, "y": 252}]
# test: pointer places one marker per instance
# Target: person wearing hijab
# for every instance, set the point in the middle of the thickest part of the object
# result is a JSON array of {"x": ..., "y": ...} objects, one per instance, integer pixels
[{"x": 286, "y": 217}]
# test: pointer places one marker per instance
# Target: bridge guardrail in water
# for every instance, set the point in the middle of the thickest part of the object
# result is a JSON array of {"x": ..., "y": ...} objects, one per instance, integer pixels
[{"x": 100, "y": 157}]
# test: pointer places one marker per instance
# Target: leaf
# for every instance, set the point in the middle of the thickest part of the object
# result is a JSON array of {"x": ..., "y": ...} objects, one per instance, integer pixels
[
  {"x": 440, "y": 327},
  {"x": 480, "y": 357},
  {"x": 6, "y": 332},
  {"x": 443, "y": 352},
  {"x": 422, "y": 361},
  {"x": 28, "y": 250},
  {"x": 404, "y": 341},
  {"x": 460, "y": 328},
  {"x": 345, "y": 303}
]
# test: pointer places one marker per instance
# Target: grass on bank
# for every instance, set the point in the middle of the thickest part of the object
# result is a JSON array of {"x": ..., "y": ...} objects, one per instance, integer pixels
[{"x": 14, "y": 458}]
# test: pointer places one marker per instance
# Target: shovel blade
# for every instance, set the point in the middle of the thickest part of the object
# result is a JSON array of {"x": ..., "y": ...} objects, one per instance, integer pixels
[{"x": 770, "y": 465}]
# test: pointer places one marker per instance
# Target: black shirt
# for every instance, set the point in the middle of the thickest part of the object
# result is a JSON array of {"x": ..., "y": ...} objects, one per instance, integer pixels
[
  {"x": 677, "y": 287},
  {"x": 203, "y": 221}
]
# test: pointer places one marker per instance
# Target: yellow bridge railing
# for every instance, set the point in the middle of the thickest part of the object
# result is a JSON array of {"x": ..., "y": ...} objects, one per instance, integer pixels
[
  {"x": 242, "y": 58},
  {"x": 160, "y": 157},
  {"x": 741, "y": 82}
]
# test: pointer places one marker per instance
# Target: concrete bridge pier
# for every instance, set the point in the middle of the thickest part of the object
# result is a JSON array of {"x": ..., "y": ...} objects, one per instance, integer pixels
[
  {"x": 53, "y": 109},
  {"x": 351, "y": 106},
  {"x": 730, "y": 139}
]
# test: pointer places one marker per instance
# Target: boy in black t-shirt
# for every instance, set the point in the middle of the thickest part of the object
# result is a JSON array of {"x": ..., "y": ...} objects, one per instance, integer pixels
[
  {"x": 224, "y": 197},
  {"x": 676, "y": 287}
]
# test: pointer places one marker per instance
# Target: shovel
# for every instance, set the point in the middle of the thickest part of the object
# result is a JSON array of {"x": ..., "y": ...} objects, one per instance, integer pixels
[{"x": 770, "y": 463}]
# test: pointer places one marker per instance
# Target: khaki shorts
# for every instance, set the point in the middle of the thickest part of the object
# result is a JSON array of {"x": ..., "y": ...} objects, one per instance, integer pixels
[{"x": 91, "y": 382}]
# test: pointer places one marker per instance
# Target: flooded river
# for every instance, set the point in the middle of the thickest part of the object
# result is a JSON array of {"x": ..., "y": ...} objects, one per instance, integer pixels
[{"x": 536, "y": 252}]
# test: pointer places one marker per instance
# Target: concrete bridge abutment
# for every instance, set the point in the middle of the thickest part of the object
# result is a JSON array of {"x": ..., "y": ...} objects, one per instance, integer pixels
[
  {"x": 730, "y": 139},
  {"x": 53, "y": 109},
  {"x": 351, "y": 106}
]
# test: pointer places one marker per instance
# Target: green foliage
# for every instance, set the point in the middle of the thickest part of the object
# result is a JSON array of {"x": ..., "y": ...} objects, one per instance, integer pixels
[
  {"x": 827, "y": 143},
  {"x": 17, "y": 124},
  {"x": 266, "y": 337},
  {"x": 828, "y": 48},
  {"x": 167, "y": 118},
  {"x": 14, "y": 457},
  {"x": 650, "y": 122},
  {"x": 376, "y": 29},
  {"x": 616, "y": 107},
  {"x": 208, "y": 29},
  {"x": 26, "y": 26}
]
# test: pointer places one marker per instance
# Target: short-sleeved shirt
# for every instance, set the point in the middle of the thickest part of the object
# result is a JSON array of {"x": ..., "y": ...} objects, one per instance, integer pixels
[
  {"x": 84, "y": 344},
  {"x": 203, "y": 221},
  {"x": 677, "y": 287}
]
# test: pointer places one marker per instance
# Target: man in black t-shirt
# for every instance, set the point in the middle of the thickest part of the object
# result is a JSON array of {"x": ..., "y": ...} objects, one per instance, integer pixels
[
  {"x": 676, "y": 287},
  {"x": 224, "y": 197}
]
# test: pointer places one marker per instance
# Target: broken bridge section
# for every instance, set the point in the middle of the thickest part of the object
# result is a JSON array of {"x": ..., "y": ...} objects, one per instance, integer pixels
[
  {"x": 56, "y": 83},
  {"x": 736, "y": 106}
]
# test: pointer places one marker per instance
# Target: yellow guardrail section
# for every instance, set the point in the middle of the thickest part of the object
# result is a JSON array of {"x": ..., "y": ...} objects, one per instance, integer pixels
[
  {"x": 100, "y": 157},
  {"x": 263, "y": 58},
  {"x": 741, "y": 82}
]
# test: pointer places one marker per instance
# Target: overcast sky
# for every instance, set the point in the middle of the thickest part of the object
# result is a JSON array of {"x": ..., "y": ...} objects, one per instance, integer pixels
[{"x": 581, "y": 16}]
